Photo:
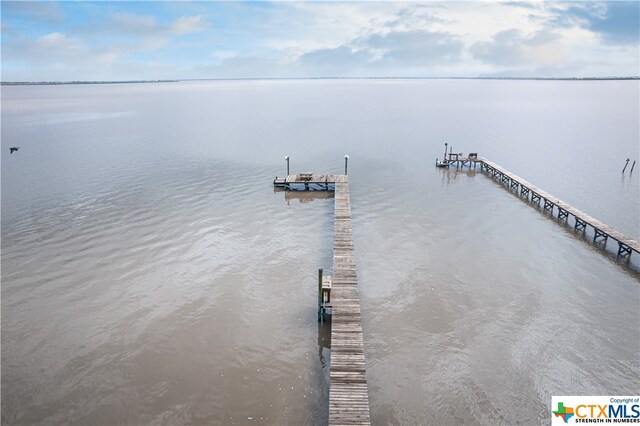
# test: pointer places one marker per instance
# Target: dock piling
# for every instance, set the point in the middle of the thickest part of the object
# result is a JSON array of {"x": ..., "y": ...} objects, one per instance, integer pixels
[
  {"x": 625, "y": 165},
  {"x": 320, "y": 310}
]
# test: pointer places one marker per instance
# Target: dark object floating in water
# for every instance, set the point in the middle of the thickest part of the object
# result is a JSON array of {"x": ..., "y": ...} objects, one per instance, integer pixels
[{"x": 13, "y": 149}]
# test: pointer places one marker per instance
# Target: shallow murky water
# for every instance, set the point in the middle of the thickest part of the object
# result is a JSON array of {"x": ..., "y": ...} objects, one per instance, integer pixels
[{"x": 150, "y": 274}]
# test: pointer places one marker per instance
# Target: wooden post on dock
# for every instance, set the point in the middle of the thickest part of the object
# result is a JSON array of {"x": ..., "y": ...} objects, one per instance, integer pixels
[
  {"x": 320, "y": 310},
  {"x": 287, "y": 158},
  {"x": 346, "y": 161}
]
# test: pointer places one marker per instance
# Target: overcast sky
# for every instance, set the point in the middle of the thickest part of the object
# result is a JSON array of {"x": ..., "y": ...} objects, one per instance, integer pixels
[{"x": 99, "y": 40}]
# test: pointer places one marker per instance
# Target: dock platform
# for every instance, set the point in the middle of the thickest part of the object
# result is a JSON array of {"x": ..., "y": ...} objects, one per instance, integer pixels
[{"x": 307, "y": 182}]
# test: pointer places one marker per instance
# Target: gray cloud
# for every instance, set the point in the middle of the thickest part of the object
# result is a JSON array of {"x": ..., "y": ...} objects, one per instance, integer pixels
[
  {"x": 126, "y": 23},
  {"x": 130, "y": 24},
  {"x": 415, "y": 48},
  {"x": 378, "y": 52},
  {"x": 340, "y": 61},
  {"x": 511, "y": 48}
]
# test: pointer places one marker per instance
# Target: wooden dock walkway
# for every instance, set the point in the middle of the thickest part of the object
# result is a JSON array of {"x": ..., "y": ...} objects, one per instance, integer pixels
[
  {"x": 348, "y": 391},
  {"x": 602, "y": 231}
]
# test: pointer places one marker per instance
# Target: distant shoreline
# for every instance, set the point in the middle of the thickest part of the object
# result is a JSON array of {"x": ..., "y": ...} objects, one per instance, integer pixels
[
  {"x": 53, "y": 83},
  {"x": 50, "y": 83}
]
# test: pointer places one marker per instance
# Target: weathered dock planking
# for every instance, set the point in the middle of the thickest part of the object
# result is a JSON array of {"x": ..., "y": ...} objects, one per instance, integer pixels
[
  {"x": 602, "y": 231},
  {"x": 348, "y": 393}
]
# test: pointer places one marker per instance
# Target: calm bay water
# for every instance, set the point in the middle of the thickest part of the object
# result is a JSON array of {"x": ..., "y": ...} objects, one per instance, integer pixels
[{"x": 150, "y": 274}]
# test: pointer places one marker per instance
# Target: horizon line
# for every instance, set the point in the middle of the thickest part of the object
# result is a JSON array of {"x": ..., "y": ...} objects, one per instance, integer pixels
[{"x": 55, "y": 82}]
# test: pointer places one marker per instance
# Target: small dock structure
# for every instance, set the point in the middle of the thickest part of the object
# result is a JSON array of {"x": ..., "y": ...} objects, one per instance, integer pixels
[
  {"x": 348, "y": 390},
  {"x": 307, "y": 182}
]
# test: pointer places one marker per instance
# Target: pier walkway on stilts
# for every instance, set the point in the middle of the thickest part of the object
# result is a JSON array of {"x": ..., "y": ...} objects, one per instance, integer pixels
[{"x": 602, "y": 232}]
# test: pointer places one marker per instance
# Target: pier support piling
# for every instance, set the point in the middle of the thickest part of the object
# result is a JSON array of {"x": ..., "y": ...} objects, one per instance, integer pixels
[
  {"x": 623, "y": 250},
  {"x": 600, "y": 235},
  {"x": 535, "y": 197},
  {"x": 563, "y": 214}
]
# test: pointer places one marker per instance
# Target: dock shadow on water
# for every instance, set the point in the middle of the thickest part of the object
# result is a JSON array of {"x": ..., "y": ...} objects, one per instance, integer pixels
[
  {"x": 324, "y": 345},
  {"x": 452, "y": 175},
  {"x": 304, "y": 196}
]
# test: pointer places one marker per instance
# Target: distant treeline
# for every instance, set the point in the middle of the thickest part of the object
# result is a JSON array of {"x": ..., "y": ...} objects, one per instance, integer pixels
[{"x": 41, "y": 83}]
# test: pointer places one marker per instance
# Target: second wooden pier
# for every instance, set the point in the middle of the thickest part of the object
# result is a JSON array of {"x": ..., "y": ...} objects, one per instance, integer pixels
[{"x": 601, "y": 231}]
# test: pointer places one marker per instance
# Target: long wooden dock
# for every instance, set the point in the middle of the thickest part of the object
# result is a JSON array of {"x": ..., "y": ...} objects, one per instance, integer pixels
[
  {"x": 601, "y": 231},
  {"x": 348, "y": 391}
]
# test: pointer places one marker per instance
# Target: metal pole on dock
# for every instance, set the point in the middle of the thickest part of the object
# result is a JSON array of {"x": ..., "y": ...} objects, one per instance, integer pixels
[
  {"x": 346, "y": 161},
  {"x": 625, "y": 165},
  {"x": 445, "y": 152},
  {"x": 287, "y": 158},
  {"x": 320, "y": 313}
]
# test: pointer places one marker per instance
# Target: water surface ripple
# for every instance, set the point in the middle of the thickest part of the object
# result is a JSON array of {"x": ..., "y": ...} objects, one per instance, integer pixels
[{"x": 151, "y": 275}]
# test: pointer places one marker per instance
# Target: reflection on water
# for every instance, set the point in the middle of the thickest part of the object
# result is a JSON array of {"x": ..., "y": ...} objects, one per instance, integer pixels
[
  {"x": 305, "y": 196},
  {"x": 324, "y": 343}
]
